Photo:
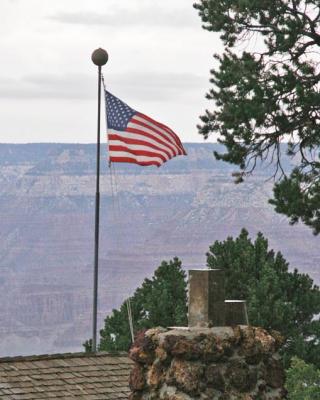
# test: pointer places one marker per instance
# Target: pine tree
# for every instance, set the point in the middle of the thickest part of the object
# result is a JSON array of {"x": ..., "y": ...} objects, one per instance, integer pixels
[
  {"x": 160, "y": 301},
  {"x": 266, "y": 95},
  {"x": 276, "y": 298},
  {"x": 303, "y": 381}
]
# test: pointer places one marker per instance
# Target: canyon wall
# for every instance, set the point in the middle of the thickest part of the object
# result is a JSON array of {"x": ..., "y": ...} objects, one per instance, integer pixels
[{"x": 147, "y": 215}]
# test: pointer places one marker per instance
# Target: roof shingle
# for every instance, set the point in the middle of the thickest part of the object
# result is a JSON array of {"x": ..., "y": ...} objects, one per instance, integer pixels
[{"x": 91, "y": 376}]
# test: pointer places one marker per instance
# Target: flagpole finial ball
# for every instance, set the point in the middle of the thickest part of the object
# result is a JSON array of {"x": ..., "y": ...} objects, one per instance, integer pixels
[{"x": 99, "y": 57}]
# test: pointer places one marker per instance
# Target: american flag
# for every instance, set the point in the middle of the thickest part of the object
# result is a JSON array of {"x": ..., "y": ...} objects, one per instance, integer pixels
[{"x": 136, "y": 138}]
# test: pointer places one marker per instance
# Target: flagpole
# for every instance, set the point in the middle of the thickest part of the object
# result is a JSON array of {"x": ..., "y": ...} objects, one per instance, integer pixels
[{"x": 99, "y": 57}]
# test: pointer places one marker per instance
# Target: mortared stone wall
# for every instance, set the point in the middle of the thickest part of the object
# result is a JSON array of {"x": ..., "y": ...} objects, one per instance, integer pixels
[{"x": 220, "y": 363}]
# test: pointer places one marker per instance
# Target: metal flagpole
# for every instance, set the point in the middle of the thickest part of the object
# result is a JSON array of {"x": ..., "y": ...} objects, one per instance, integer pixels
[{"x": 99, "y": 57}]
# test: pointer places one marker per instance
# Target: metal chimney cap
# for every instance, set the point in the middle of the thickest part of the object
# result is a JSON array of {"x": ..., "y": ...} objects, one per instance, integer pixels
[
  {"x": 235, "y": 301},
  {"x": 204, "y": 269}
]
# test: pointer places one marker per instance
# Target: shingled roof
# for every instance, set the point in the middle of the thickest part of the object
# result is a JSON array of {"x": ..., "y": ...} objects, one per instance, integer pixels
[{"x": 65, "y": 376}]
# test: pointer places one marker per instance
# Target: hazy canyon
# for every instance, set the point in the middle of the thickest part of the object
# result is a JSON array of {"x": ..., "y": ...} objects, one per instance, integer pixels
[{"x": 147, "y": 215}]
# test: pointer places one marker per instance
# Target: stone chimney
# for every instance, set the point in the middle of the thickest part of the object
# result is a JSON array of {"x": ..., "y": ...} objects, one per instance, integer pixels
[{"x": 207, "y": 359}]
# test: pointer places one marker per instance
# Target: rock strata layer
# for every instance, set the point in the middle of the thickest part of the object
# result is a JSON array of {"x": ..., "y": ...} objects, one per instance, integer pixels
[{"x": 238, "y": 363}]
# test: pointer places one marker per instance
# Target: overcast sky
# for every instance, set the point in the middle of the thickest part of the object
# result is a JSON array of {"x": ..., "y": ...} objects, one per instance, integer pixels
[{"x": 159, "y": 62}]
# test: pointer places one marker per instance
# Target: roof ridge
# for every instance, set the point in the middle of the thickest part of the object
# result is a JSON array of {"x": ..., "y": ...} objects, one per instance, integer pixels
[{"x": 63, "y": 356}]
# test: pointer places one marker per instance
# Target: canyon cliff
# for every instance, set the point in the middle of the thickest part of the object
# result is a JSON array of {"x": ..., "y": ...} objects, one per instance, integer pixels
[{"x": 147, "y": 215}]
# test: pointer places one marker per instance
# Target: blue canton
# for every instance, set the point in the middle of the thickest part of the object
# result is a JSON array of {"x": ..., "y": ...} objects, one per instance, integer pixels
[{"x": 118, "y": 113}]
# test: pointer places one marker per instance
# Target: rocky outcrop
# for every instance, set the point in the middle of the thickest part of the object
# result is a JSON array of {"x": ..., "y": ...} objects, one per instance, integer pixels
[{"x": 239, "y": 363}]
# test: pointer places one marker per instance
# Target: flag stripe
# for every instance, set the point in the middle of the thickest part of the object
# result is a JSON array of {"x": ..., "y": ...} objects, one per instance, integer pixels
[
  {"x": 155, "y": 128},
  {"x": 170, "y": 134},
  {"x": 134, "y": 161},
  {"x": 142, "y": 120},
  {"x": 140, "y": 159},
  {"x": 129, "y": 141},
  {"x": 136, "y": 135},
  {"x": 133, "y": 128},
  {"x": 117, "y": 145},
  {"x": 137, "y": 153}
]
